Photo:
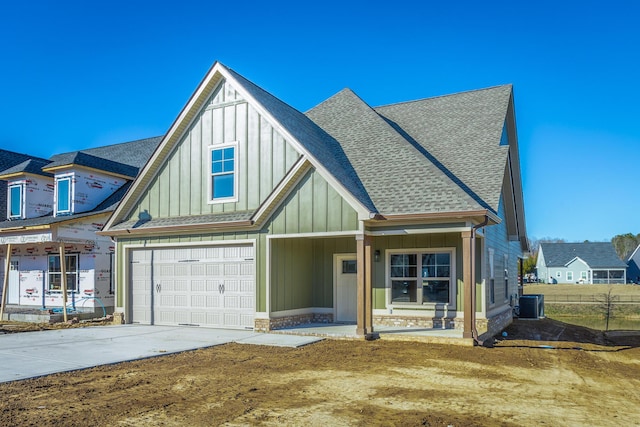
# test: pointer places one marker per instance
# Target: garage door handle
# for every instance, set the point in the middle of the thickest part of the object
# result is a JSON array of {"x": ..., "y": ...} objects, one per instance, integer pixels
[{"x": 158, "y": 287}]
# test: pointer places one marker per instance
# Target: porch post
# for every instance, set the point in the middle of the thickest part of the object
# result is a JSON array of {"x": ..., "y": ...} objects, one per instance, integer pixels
[
  {"x": 363, "y": 277},
  {"x": 5, "y": 285},
  {"x": 63, "y": 272},
  {"x": 467, "y": 275}
]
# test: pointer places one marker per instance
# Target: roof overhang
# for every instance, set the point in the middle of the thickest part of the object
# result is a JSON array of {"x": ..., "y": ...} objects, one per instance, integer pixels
[
  {"x": 74, "y": 167},
  {"x": 473, "y": 216},
  {"x": 173, "y": 229}
]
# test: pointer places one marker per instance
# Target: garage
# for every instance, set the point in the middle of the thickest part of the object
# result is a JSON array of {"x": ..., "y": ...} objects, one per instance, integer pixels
[{"x": 211, "y": 286}]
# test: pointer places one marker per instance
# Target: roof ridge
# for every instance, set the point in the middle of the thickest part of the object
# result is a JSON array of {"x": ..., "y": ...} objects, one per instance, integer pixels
[{"x": 464, "y": 92}]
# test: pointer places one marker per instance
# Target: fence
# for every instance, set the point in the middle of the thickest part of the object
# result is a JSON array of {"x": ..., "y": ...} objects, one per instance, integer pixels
[{"x": 594, "y": 299}]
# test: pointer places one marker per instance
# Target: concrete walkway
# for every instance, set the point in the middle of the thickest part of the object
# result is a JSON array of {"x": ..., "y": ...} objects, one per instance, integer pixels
[{"x": 33, "y": 354}]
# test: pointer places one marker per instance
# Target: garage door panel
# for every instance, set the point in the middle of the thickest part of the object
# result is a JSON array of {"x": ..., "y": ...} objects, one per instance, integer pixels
[{"x": 207, "y": 286}]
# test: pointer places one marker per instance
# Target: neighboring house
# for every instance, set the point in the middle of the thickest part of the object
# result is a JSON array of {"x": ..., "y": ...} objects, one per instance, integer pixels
[
  {"x": 251, "y": 214},
  {"x": 54, "y": 208},
  {"x": 589, "y": 262},
  {"x": 633, "y": 269}
]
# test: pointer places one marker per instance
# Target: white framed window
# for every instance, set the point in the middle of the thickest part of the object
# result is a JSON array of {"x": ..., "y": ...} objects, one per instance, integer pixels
[
  {"x": 16, "y": 201},
  {"x": 583, "y": 275},
  {"x": 423, "y": 277},
  {"x": 569, "y": 276},
  {"x": 506, "y": 277},
  {"x": 55, "y": 272},
  {"x": 64, "y": 191},
  {"x": 223, "y": 179}
]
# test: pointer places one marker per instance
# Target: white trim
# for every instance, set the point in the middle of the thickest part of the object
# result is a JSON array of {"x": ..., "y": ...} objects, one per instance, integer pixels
[
  {"x": 421, "y": 306},
  {"x": 21, "y": 185},
  {"x": 267, "y": 279},
  {"x": 577, "y": 258},
  {"x": 261, "y": 315},
  {"x": 236, "y": 179},
  {"x": 400, "y": 232},
  {"x": 64, "y": 177},
  {"x": 323, "y": 234}
]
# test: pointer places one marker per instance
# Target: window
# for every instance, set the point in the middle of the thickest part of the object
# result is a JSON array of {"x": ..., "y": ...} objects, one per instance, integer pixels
[
  {"x": 63, "y": 188},
  {"x": 15, "y": 201},
  {"x": 349, "y": 266},
  {"x": 569, "y": 276},
  {"x": 492, "y": 278},
  {"x": 583, "y": 275},
  {"x": 421, "y": 278},
  {"x": 506, "y": 277},
  {"x": 55, "y": 272},
  {"x": 223, "y": 173}
]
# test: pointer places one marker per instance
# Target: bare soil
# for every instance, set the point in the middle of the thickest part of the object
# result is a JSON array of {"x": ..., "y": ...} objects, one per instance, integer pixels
[{"x": 543, "y": 372}]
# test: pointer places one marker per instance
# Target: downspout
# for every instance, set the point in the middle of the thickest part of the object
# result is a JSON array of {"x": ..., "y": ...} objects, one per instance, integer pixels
[{"x": 474, "y": 330}]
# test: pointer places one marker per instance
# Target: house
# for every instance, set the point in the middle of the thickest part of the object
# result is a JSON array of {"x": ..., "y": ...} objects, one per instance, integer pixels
[
  {"x": 53, "y": 209},
  {"x": 633, "y": 269},
  {"x": 251, "y": 214},
  {"x": 589, "y": 262}
]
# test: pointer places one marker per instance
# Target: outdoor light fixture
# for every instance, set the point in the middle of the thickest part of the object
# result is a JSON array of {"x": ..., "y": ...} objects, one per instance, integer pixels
[{"x": 376, "y": 255}]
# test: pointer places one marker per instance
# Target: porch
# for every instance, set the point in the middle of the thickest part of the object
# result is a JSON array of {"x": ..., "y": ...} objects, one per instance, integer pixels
[{"x": 396, "y": 333}]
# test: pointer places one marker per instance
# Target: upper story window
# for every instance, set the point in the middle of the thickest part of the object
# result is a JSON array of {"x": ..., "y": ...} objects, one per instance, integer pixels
[
  {"x": 223, "y": 173},
  {"x": 16, "y": 198},
  {"x": 63, "y": 196}
]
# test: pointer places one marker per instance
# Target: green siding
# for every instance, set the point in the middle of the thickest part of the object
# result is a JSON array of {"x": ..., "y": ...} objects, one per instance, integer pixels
[
  {"x": 313, "y": 206},
  {"x": 410, "y": 242},
  {"x": 181, "y": 186},
  {"x": 496, "y": 238}
]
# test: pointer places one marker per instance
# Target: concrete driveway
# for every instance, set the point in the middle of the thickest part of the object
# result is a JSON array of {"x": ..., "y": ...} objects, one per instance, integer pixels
[{"x": 33, "y": 354}]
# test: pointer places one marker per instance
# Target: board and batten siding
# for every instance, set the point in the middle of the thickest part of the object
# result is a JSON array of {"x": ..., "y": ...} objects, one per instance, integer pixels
[
  {"x": 410, "y": 242},
  {"x": 301, "y": 268},
  {"x": 181, "y": 185},
  {"x": 313, "y": 206},
  {"x": 497, "y": 239}
]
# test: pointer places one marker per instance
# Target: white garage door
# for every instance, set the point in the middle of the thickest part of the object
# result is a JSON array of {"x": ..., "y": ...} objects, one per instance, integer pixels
[{"x": 206, "y": 286}]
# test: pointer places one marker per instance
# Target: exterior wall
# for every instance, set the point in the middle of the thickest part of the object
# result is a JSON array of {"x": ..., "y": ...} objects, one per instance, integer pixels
[
  {"x": 89, "y": 189},
  {"x": 33, "y": 278},
  {"x": 38, "y": 196},
  {"x": 505, "y": 257},
  {"x": 263, "y": 158},
  {"x": 412, "y": 241}
]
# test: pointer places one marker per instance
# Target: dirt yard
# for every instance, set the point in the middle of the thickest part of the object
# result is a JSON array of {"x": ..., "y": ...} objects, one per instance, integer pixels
[{"x": 543, "y": 373}]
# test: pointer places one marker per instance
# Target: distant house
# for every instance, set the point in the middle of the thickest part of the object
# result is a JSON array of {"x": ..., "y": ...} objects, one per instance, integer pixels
[
  {"x": 251, "y": 214},
  {"x": 53, "y": 208},
  {"x": 633, "y": 269},
  {"x": 591, "y": 263}
]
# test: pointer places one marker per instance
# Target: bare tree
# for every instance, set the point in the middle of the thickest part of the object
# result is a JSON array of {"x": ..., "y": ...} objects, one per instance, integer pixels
[{"x": 607, "y": 303}]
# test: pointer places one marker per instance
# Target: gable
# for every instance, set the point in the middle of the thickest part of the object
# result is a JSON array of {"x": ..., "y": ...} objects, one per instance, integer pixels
[
  {"x": 263, "y": 157},
  {"x": 313, "y": 206}
]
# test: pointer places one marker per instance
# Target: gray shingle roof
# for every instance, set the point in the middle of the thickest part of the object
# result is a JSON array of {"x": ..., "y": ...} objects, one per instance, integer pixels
[
  {"x": 399, "y": 178},
  {"x": 33, "y": 166},
  {"x": 125, "y": 159},
  {"x": 462, "y": 133},
  {"x": 319, "y": 143},
  {"x": 595, "y": 254},
  {"x": 217, "y": 218}
]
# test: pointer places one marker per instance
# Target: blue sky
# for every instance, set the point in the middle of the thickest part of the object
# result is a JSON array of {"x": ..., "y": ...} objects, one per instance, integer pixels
[{"x": 78, "y": 74}]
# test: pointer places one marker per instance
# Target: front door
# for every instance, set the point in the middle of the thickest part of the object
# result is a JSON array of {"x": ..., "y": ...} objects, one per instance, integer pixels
[{"x": 346, "y": 288}]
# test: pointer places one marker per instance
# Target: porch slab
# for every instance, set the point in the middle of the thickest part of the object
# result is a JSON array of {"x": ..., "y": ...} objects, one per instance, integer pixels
[{"x": 389, "y": 333}]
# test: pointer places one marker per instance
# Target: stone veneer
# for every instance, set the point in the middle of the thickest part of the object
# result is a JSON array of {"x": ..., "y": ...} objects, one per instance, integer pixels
[
  {"x": 266, "y": 325},
  {"x": 411, "y": 321}
]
